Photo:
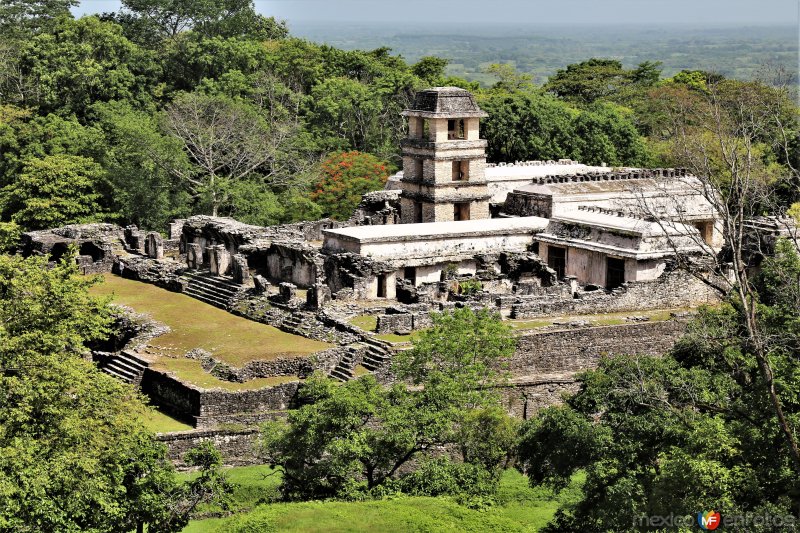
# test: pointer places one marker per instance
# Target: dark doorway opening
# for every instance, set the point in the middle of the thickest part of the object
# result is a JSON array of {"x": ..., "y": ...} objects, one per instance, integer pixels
[
  {"x": 382, "y": 286},
  {"x": 557, "y": 260},
  {"x": 615, "y": 273},
  {"x": 410, "y": 273},
  {"x": 418, "y": 212}
]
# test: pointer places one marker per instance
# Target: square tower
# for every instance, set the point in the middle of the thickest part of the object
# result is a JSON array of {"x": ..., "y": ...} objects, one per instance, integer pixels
[{"x": 444, "y": 159}]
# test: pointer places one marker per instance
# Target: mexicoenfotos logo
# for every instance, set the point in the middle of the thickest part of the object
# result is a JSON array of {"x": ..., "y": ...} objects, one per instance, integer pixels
[{"x": 709, "y": 520}]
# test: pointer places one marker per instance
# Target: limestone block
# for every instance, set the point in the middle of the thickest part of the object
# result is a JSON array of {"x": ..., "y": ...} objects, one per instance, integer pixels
[
  {"x": 288, "y": 291},
  {"x": 194, "y": 255},
  {"x": 219, "y": 259},
  {"x": 261, "y": 284},
  {"x": 154, "y": 245},
  {"x": 317, "y": 296},
  {"x": 239, "y": 269},
  {"x": 176, "y": 229}
]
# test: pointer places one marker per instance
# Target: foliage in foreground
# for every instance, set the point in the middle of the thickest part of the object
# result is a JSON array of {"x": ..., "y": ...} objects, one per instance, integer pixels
[
  {"x": 688, "y": 432},
  {"x": 75, "y": 454},
  {"x": 358, "y": 439}
]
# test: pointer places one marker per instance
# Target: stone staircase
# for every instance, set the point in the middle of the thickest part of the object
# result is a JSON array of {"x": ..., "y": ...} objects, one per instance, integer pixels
[
  {"x": 125, "y": 366},
  {"x": 213, "y": 290},
  {"x": 378, "y": 353},
  {"x": 344, "y": 370}
]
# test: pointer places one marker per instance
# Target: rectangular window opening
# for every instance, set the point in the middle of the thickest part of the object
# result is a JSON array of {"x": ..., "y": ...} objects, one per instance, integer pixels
[
  {"x": 615, "y": 272},
  {"x": 557, "y": 260}
]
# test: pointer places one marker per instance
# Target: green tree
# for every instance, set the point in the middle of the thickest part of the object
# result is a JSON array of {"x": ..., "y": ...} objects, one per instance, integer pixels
[
  {"x": 688, "y": 431},
  {"x": 225, "y": 18},
  {"x": 82, "y": 62},
  {"x": 141, "y": 163},
  {"x": 459, "y": 359},
  {"x": 53, "y": 191},
  {"x": 350, "y": 439},
  {"x": 345, "y": 177},
  {"x": 605, "y": 133},
  {"x": 526, "y": 126},
  {"x": 19, "y": 18},
  {"x": 602, "y": 79},
  {"x": 430, "y": 69}
]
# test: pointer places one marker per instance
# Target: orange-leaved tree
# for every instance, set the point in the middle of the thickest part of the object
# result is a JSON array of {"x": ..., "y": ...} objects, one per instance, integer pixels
[{"x": 345, "y": 176}]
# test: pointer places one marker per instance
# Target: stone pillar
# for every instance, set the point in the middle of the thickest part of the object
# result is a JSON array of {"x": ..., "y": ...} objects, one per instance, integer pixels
[
  {"x": 154, "y": 245},
  {"x": 194, "y": 256},
  {"x": 239, "y": 269},
  {"x": 261, "y": 284},
  {"x": 317, "y": 296},
  {"x": 219, "y": 259},
  {"x": 176, "y": 229},
  {"x": 134, "y": 239},
  {"x": 288, "y": 292}
]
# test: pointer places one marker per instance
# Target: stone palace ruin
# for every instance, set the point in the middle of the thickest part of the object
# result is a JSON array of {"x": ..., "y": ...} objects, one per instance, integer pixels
[{"x": 581, "y": 259}]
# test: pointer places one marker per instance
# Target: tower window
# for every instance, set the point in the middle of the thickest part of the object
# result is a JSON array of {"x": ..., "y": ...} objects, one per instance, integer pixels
[
  {"x": 455, "y": 129},
  {"x": 418, "y": 169},
  {"x": 460, "y": 170},
  {"x": 461, "y": 211}
]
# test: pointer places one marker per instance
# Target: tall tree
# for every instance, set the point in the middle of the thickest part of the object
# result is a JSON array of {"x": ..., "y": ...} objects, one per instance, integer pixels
[
  {"x": 53, "y": 191},
  {"x": 226, "y": 140}
]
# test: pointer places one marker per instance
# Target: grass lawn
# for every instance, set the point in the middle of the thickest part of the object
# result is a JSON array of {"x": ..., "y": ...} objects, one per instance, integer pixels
[
  {"x": 606, "y": 319},
  {"x": 160, "y": 422},
  {"x": 365, "y": 322},
  {"x": 519, "y": 508},
  {"x": 231, "y": 339}
]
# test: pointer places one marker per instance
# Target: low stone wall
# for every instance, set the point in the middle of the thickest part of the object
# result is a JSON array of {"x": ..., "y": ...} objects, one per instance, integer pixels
[
  {"x": 672, "y": 290},
  {"x": 211, "y": 407},
  {"x": 237, "y": 448},
  {"x": 573, "y": 350},
  {"x": 545, "y": 363}
]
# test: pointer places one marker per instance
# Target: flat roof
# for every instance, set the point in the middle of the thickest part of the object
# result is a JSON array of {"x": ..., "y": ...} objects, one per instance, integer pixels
[
  {"x": 434, "y": 230},
  {"x": 523, "y": 172},
  {"x": 625, "y": 223}
]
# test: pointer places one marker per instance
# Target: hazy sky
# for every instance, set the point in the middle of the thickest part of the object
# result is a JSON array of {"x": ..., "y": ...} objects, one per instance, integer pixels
[{"x": 650, "y": 12}]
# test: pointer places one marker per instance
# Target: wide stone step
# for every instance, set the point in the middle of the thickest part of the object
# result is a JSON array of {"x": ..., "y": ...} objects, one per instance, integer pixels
[
  {"x": 212, "y": 281},
  {"x": 116, "y": 375},
  {"x": 341, "y": 375},
  {"x": 122, "y": 364},
  {"x": 208, "y": 287}
]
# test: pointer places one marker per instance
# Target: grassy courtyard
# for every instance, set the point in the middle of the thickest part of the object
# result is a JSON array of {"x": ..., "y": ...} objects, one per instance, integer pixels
[
  {"x": 231, "y": 339},
  {"x": 518, "y": 507}
]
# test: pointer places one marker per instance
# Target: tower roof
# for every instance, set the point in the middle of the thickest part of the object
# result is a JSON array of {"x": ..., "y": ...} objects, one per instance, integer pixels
[{"x": 444, "y": 102}]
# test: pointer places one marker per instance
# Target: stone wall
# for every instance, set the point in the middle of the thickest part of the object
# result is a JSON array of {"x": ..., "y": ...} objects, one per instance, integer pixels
[
  {"x": 674, "y": 289},
  {"x": 545, "y": 362},
  {"x": 238, "y": 448},
  {"x": 572, "y": 350},
  {"x": 211, "y": 407}
]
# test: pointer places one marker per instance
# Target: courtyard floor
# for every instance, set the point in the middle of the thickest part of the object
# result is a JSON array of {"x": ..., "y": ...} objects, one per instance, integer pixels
[{"x": 231, "y": 339}]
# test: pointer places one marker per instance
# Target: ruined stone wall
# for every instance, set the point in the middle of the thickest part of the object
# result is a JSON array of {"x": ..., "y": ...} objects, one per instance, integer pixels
[
  {"x": 572, "y": 350},
  {"x": 211, "y": 407},
  {"x": 674, "y": 289},
  {"x": 544, "y": 364},
  {"x": 237, "y": 447}
]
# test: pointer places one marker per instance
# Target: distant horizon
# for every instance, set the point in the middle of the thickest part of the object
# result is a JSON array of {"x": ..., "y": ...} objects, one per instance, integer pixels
[{"x": 552, "y": 13}]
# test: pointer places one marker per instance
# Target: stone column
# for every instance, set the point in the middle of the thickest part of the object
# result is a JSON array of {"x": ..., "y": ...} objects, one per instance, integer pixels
[
  {"x": 219, "y": 259},
  {"x": 317, "y": 296},
  {"x": 154, "y": 245},
  {"x": 194, "y": 256},
  {"x": 288, "y": 291},
  {"x": 176, "y": 229},
  {"x": 239, "y": 269}
]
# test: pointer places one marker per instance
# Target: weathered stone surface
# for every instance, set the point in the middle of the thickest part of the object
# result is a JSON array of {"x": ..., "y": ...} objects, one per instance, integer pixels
[
  {"x": 154, "y": 245},
  {"x": 287, "y": 292},
  {"x": 261, "y": 284},
  {"x": 239, "y": 269},
  {"x": 318, "y": 296},
  {"x": 219, "y": 259},
  {"x": 400, "y": 324},
  {"x": 194, "y": 256},
  {"x": 237, "y": 447}
]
